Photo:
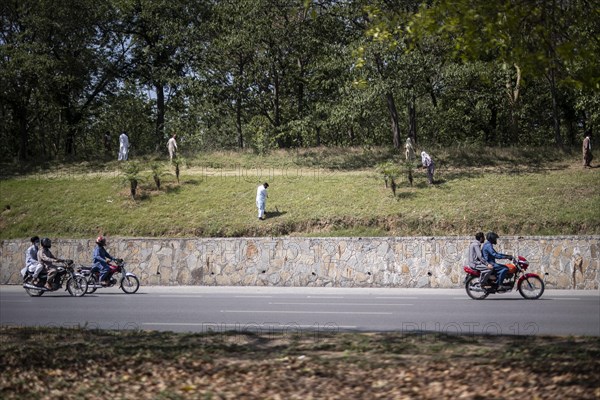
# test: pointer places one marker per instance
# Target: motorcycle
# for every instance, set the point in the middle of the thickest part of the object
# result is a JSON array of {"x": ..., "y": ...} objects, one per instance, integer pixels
[
  {"x": 75, "y": 283},
  {"x": 529, "y": 285},
  {"x": 127, "y": 281}
]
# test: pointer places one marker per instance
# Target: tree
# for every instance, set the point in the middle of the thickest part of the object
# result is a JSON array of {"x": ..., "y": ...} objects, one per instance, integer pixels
[
  {"x": 535, "y": 38},
  {"x": 159, "y": 31}
]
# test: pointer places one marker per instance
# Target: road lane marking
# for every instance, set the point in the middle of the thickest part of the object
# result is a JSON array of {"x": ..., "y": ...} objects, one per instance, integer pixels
[
  {"x": 339, "y": 304},
  {"x": 303, "y": 312},
  {"x": 253, "y": 297},
  {"x": 396, "y": 298},
  {"x": 183, "y": 296},
  {"x": 16, "y": 301},
  {"x": 242, "y": 325},
  {"x": 324, "y": 297}
]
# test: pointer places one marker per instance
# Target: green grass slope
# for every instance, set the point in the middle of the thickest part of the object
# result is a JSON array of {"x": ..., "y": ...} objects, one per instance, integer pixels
[{"x": 316, "y": 192}]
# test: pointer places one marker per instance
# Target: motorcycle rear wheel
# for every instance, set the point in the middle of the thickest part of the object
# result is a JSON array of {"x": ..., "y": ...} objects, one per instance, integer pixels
[
  {"x": 130, "y": 284},
  {"x": 474, "y": 289},
  {"x": 77, "y": 286},
  {"x": 531, "y": 287},
  {"x": 34, "y": 292}
]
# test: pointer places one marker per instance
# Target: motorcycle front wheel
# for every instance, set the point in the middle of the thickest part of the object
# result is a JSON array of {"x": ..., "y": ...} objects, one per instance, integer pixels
[
  {"x": 531, "y": 287},
  {"x": 92, "y": 283},
  {"x": 474, "y": 289},
  {"x": 77, "y": 286},
  {"x": 130, "y": 284}
]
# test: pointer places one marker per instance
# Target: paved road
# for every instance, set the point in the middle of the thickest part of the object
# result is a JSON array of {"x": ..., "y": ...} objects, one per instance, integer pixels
[{"x": 307, "y": 310}]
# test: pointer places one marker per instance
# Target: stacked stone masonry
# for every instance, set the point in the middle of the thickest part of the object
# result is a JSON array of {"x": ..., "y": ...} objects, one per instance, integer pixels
[{"x": 566, "y": 262}]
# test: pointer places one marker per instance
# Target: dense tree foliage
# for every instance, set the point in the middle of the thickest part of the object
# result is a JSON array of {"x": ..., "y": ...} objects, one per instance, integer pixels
[{"x": 289, "y": 73}]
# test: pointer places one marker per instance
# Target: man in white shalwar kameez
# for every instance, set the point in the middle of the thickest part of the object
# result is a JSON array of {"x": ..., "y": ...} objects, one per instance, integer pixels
[
  {"x": 172, "y": 146},
  {"x": 427, "y": 162},
  {"x": 261, "y": 200},
  {"x": 123, "y": 147},
  {"x": 409, "y": 147}
]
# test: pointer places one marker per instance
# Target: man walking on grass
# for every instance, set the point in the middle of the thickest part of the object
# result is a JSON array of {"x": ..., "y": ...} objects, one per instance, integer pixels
[
  {"x": 261, "y": 200},
  {"x": 587, "y": 151},
  {"x": 172, "y": 146}
]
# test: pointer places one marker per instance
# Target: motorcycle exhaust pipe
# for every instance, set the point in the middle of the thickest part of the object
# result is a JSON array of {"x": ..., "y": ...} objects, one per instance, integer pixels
[{"x": 30, "y": 286}]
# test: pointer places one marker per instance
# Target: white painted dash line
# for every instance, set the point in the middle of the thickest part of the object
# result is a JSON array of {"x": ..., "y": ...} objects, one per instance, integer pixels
[
  {"x": 251, "y": 326},
  {"x": 303, "y": 312},
  {"x": 307, "y": 303},
  {"x": 566, "y": 298}
]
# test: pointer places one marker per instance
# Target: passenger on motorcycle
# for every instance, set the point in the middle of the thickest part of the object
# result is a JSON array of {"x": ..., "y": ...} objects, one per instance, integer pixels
[
  {"x": 32, "y": 264},
  {"x": 490, "y": 255},
  {"x": 476, "y": 260},
  {"x": 47, "y": 259},
  {"x": 99, "y": 259}
]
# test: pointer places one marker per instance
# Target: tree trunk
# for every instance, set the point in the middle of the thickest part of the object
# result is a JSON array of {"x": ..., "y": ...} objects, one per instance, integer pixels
[
  {"x": 412, "y": 119},
  {"x": 160, "y": 113},
  {"x": 391, "y": 104},
  {"x": 21, "y": 114},
  {"x": 300, "y": 95},
  {"x": 393, "y": 118},
  {"x": 276, "y": 109},
  {"x": 512, "y": 90},
  {"x": 238, "y": 104},
  {"x": 238, "y": 121}
]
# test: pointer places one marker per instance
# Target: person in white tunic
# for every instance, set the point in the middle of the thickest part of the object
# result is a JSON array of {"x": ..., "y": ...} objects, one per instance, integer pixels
[
  {"x": 123, "y": 147},
  {"x": 172, "y": 146},
  {"x": 31, "y": 259},
  {"x": 409, "y": 149},
  {"x": 427, "y": 162},
  {"x": 261, "y": 200}
]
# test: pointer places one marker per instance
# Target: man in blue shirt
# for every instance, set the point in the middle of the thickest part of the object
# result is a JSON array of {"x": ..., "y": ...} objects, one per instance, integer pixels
[
  {"x": 490, "y": 255},
  {"x": 100, "y": 257}
]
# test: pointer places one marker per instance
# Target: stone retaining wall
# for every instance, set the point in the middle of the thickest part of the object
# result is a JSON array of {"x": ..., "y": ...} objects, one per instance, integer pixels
[{"x": 566, "y": 262}]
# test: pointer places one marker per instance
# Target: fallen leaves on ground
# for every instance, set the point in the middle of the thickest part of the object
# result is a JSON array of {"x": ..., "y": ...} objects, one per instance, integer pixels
[{"x": 51, "y": 363}]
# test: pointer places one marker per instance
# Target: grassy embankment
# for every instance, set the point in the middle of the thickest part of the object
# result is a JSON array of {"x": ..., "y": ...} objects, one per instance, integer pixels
[{"x": 318, "y": 192}]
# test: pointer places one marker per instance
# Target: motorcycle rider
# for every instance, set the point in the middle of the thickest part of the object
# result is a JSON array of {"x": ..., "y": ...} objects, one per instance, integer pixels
[
  {"x": 490, "y": 255},
  {"x": 99, "y": 259},
  {"x": 476, "y": 260},
  {"x": 47, "y": 259},
  {"x": 31, "y": 260}
]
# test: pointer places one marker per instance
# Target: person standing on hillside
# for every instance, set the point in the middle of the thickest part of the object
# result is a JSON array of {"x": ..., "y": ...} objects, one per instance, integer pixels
[
  {"x": 107, "y": 143},
  {"x": 428, "y": 163},
  {"x": 123, "y": 147},
  {"x": 261, "y": 200},
  {"x": 587, "y": 150},
  {"x": 409, "y": 148},
  {"x": 172, "y": 146}
]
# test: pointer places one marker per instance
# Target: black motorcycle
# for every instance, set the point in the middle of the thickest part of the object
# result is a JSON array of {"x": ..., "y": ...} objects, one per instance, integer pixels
[{"x": 75, "y": 283}]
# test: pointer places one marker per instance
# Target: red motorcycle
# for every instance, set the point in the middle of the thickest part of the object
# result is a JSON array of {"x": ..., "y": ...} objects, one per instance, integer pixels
[
  {"x": 529, "y": 285},
  {"x": 127, "y": 281}
]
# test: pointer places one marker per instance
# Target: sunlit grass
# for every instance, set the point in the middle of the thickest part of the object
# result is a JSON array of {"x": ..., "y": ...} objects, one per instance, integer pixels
[{"x": 556, "y": 197}]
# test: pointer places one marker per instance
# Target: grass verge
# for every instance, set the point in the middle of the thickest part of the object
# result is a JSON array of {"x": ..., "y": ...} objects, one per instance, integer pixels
[
  {"x": 312, "y": 193},
  {"x": 88, "y": 364}
]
